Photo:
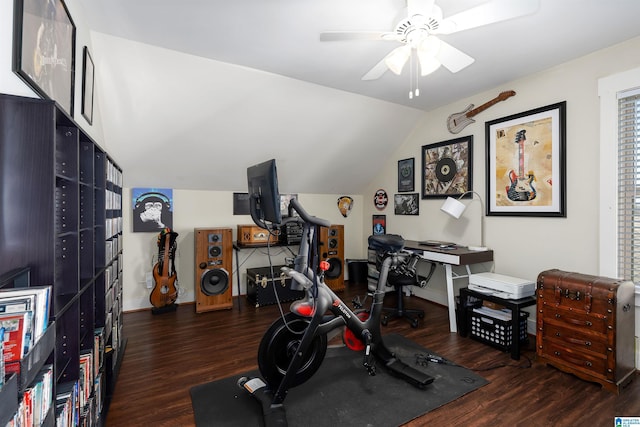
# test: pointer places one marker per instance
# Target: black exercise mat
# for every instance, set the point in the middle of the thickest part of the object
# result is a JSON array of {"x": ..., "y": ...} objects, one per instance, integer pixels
[{"x": 341, "y": 393}]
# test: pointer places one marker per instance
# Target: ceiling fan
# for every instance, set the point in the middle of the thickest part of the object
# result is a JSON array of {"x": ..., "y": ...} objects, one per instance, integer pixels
[{"x": 419, "y": 32}]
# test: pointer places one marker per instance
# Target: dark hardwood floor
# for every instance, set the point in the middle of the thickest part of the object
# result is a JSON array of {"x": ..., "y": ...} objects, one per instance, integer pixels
[{"x": 167, "y": 354}]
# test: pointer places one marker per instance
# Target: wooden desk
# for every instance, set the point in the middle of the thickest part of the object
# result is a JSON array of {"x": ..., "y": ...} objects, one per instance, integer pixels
[{"x": 460, "y": 256}]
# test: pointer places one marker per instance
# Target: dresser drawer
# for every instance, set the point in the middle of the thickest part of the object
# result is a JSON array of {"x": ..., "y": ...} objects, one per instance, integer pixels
[
  {"x": 586, "y": 322},
  {"x": 580, "y": 340},
  {"x": 588, "y": 362}
]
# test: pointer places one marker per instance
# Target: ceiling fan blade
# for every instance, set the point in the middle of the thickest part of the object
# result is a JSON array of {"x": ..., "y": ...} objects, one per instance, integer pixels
[
  {"x": 377, "y": 71},
  {"x": 453, "y": 59},
  {"x": 488, "y": 13},
  {"x": 419, "y": 7},
  {"x": 332, "y": 36}
]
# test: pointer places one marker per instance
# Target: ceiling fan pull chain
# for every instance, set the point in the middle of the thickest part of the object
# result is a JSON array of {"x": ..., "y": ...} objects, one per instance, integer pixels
[{"x": 411, "y": 75}]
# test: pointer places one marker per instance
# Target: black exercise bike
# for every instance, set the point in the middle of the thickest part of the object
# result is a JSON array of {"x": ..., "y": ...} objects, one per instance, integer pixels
[{"x": 294, "y": 346}]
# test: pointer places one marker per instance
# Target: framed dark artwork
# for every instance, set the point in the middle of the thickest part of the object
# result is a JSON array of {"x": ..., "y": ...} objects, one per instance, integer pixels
[
  {"x": 447, "y": 168},
  {"x": 406, "y": 204},
  {"x": 44, "y": 49},
  {"x": 406, "y": 175},
  {"x": 526, "y": 158},
  {"x": 241, "y": 204},
  {"x": 152, "y": 209},
  {"x": 379, "y": 224},
  {"x": 88, "y": 77}
]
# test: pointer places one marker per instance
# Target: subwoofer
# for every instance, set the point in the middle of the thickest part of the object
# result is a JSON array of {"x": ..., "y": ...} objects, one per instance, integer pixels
[
  {"x": 213, "y": 268},
  {"x": 331, "y": 249}
]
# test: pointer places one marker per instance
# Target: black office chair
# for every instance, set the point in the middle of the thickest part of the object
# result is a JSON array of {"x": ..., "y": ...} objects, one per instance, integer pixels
[{"x": 400, "y": 276}]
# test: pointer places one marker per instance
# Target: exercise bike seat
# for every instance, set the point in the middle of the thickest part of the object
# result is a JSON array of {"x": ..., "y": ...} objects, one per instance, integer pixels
[{"x": 386, "y": 242}]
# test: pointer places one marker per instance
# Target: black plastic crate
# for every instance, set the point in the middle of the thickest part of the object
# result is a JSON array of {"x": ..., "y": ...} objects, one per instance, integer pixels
[{"x": 496, "y": 332}]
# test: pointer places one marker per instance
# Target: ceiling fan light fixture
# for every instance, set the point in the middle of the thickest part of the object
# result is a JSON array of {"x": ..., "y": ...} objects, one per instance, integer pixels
[
  {"x": 428, "y": 65},
  {"x": 397, "y": 58}
]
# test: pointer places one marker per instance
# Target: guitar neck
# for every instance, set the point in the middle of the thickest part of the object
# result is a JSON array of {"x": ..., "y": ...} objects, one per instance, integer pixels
[
  {"x": 164, "y": 266},
  {"x": 521, "y": 159},
  {"x": 494, "y": 101},
  {"x": 483, "y": 107}
]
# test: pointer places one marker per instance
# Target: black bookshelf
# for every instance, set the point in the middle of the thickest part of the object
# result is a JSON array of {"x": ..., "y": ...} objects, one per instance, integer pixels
[{"x": 63, "y": 221}]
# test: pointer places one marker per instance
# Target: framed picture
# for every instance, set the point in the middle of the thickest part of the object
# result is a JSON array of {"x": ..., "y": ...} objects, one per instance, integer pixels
[
  {"x": 44, "y": 49},
  {"x": 152, "y": 209},
  {"x": 406, "y": 175},
  {"x": 447, "y": 168},
  {"x": 87, "y": 85},
  {"x": 406, "y": 204},
  {"x": 379, "y": 224},
  {"x": 526, "y": 159}
]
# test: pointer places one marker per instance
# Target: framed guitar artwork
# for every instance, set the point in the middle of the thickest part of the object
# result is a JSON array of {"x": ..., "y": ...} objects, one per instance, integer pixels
[{"x": 526, "y": 158}]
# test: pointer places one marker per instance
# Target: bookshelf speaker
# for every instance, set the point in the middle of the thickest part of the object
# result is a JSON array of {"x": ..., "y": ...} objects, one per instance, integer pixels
[
  {"x": 331, "y": 249},
  {"x": 213, "y": 269}
]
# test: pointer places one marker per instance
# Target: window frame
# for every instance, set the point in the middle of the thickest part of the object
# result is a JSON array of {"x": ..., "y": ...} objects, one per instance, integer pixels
[{"x": 608, "y": 89}]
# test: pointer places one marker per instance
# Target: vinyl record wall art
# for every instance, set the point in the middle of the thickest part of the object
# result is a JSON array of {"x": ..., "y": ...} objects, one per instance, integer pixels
[{"x": 447, "y": 168}]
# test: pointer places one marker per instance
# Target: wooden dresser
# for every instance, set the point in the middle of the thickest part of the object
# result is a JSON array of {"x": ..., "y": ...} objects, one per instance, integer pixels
[{"x": 585, "y": 326}]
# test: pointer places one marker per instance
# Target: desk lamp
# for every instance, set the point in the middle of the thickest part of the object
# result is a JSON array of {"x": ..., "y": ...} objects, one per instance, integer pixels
[{"x": 455, "y": 208}]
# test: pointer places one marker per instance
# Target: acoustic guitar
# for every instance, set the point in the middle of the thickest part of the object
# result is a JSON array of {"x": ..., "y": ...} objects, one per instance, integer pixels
[
  {"x": 458, "y": 121},
  {"x": 164, "y": 292}
]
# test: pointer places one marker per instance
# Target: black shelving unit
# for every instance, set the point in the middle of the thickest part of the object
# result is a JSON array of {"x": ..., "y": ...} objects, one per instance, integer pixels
[{"x": 63, "y": 220}]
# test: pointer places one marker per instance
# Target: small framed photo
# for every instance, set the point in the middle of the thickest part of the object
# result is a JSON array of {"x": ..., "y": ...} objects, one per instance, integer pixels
[
  {"x": 526, "y": 158},
  {"x": 88, "y": 71},
  {"x": 406, "y": 175},
  {"x": 447, "y": 168},
  {"x": 379, "y": 224},
  {"x": 406, "y": 204}
]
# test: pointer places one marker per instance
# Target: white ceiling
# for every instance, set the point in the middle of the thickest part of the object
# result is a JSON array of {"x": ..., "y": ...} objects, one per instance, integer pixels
[{"x": 262, "y": 75}]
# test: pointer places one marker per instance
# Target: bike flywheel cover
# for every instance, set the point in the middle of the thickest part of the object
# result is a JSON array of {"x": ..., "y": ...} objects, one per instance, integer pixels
[{"x": 350, "y": 339}]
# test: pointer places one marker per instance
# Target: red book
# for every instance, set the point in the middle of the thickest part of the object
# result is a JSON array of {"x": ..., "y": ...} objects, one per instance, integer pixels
[{"x": 15, "y": 333}]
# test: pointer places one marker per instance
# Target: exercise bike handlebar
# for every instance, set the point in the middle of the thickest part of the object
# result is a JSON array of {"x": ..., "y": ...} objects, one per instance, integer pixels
[{"x": 295, "y": 205}]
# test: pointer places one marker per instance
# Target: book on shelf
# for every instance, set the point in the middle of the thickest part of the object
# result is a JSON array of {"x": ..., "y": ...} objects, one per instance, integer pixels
[
  {"x": 2, "y": 372},
  {"x": 67, "y": 414},
  {"x": 86, "y": 377},
  {"x": 36, "y": 400},
  {"x": 36, "y": 299},
  {"x": 16, "y": 326}
]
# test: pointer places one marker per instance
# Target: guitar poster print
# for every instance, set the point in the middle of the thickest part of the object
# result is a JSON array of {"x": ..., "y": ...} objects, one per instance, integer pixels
[{"x": 526, "y": 163}]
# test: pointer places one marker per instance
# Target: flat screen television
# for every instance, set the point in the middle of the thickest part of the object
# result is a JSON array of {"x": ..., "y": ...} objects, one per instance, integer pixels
[{"x": 264, "y": 198}]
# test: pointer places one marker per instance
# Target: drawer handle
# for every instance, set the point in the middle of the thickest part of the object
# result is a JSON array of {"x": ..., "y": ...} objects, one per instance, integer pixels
[
  {"x": 589, "y": 364},
  {"x": 572, "y": 295}
]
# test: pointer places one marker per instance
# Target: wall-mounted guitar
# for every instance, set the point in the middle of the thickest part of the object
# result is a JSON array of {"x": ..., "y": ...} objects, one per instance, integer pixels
[
  {"x": 458, "y": 121},
  {"x": 521, "y": 188},
  {"x": 165, "y": 292}
]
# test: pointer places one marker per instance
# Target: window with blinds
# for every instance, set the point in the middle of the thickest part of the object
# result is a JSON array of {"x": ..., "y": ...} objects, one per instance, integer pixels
[{"x": 629, "y": 185}]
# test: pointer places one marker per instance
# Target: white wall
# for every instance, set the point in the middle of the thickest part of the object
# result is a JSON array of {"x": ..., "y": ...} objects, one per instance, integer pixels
[{"x": 214, "y": 209}]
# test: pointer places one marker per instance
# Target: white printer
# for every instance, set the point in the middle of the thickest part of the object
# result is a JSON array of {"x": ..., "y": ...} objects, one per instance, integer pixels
[{"x": 501, "y": 286}]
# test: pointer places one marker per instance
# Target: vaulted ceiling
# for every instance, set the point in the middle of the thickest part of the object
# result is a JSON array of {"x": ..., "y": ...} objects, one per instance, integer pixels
[{"x": 191, "y": 92}]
